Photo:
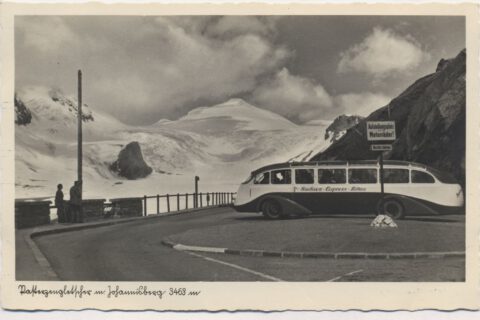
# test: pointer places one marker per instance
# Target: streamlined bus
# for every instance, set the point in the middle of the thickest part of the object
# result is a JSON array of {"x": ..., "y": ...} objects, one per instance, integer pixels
[{"x": 349, "y": 187}]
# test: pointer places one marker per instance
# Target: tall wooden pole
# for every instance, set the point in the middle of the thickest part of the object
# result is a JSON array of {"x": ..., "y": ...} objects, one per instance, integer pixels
[{"x": 79, "y": 155}]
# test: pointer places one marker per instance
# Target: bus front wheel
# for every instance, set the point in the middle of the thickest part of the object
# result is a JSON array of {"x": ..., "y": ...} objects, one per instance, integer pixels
[
  {"x": 271, "y": 209},
  {"x": 392, "y": 208}
]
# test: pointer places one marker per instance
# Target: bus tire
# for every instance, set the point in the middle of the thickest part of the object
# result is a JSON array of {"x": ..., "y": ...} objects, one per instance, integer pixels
[
  {"x": 271, "y": 209},
  {"x": 392, "y": 208}
]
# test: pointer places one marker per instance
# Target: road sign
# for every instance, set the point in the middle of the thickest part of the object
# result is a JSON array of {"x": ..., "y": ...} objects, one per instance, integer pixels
[
  {"x": 381, "y": 147},
  {"x": 381, "y": 130}
]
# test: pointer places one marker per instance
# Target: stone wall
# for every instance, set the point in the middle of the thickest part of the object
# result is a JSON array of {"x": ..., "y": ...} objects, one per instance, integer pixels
[
  {"x": 31, "y": 213},
  {"x": 131, "y": 207},
  {"x": 92, "y": 208}
]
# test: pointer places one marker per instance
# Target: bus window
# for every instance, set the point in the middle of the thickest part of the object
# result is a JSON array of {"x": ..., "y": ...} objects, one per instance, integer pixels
[
  {"x": 304, "y": 176},
  {"x": 421, "y": 177},
  {"x": 332, "y": 176},
  {"x": 282, "y": 176},
  {"x": 262, "y": 178},
  {"x": 395, "y": 175},
  {"x": 361, "y": 176}
]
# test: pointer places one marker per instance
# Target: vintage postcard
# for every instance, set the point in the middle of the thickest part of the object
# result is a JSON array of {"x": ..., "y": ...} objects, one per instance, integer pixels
[{"x": 240, "y": 157}]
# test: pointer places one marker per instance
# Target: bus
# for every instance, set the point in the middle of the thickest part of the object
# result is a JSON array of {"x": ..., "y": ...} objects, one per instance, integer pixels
[{"x": 349, "y": 187}]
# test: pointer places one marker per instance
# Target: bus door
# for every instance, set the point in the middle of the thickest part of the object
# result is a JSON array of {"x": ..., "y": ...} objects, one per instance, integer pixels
[{"x": 261, "y": 185}]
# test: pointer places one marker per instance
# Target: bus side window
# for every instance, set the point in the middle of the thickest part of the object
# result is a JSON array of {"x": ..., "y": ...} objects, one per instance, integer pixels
[
  {"x": 262, "y": 178},
  {"x": 328, "y": 176},
  {"x": 421, "y": 177},
  {"x": 395, "y": 175},
  {"x": 362, "y": 176},
  {"x": 282, "y": 176},
  {"x": 304, "y": 176}
]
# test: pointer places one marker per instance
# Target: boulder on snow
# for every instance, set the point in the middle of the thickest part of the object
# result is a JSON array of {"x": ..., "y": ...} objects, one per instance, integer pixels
[{"x": 130, "y": 163}]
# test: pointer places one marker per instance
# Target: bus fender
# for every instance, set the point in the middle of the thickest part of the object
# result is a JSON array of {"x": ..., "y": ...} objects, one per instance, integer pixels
[
  {"x": 412, "y": 205},
  {"x": 289, "y": 207}
]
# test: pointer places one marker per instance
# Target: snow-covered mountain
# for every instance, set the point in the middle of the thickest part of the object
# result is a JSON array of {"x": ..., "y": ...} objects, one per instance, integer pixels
[{"x": 220, "y": 143}]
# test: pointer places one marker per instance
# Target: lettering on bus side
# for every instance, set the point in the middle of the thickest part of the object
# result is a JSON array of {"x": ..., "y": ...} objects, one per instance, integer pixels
[{"x": 329, "y": 189}]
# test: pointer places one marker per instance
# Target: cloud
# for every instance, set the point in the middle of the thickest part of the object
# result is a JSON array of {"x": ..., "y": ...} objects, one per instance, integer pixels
[
  {"x": 382, "y": 53},
  {"x": 296, "y": 98},
  {"x": 302, "y": 100},
  {"x": 361, "y": 104},
  {"x": 161, "y": 66},
  {"x": 45, "y": 34}
]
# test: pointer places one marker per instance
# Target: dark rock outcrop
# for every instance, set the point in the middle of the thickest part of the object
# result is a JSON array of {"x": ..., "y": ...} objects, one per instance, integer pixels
[
  {"x": 130, "y": 163},
  {"x": 430, "y": 123},
  {"x": 57, "y": 96},
  {"x": 341, "y": 124},
  {"x": 23, "y": 116}
]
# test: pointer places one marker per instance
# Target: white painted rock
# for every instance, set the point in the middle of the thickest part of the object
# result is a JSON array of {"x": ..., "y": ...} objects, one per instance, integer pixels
[{"x": 383, "y": 221}]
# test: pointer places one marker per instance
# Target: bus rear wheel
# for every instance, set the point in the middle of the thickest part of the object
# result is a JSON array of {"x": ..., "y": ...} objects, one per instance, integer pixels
[
  {"x": 392, "y": 208},
  {"x": 271, "y": 209}
]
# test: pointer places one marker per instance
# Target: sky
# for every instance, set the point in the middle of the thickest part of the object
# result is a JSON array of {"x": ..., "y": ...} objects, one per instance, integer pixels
[{"x": 142, "y": 69}]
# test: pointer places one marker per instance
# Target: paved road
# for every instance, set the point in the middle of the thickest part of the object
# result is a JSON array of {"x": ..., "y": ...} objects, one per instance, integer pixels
[{"x": 133, "y": 252}]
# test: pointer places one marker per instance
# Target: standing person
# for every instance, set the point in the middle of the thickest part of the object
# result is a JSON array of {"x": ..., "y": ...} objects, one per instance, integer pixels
[
  {"x": 76, "y": 202},
  {"x": 59, "y": 204}
]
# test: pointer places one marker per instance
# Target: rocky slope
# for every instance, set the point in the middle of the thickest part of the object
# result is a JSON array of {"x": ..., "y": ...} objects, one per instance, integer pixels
[
  {"x": 340, "y": 125},
  {"x": 23, "y": 116},
  {"x": 430, "y": 123}
]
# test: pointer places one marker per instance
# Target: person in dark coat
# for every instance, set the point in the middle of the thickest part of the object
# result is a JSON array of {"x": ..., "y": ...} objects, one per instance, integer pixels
[
  {"x": 76, "y": 202},
  {"x": 60, "y": 204}
]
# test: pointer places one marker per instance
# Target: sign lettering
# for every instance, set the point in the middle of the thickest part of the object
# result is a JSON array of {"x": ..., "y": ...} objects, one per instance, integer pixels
[
  {"x": 381, "y": 147},
  {"x": 381, "y": 130}
]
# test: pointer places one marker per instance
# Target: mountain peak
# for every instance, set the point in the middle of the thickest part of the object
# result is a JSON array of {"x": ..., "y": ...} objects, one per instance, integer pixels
[{"x": 242, "y": 114}]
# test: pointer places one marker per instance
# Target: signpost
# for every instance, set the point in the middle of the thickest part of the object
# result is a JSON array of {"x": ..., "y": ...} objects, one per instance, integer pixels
[{"x": 381, "y": 132}]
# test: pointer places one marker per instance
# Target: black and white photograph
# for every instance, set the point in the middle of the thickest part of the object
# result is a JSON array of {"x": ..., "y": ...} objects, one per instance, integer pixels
[{"x": 240, "y": 148}]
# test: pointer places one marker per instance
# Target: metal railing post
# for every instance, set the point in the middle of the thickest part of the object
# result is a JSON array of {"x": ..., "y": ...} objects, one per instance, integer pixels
[
  {"x": 168, "y": 202},
  {"x": 178, "y": 202},
  {"x": 186, "y": 200},
  {"x": 201, "y": 200},
  {"x": 145, "y": 206},
  {"x": 158, "y": 203}
]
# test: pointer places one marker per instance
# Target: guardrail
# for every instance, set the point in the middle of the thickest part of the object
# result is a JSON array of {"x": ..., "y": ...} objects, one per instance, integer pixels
[
  {"x": 33, "y": 213},
  {"x": 182, "y": 201}
]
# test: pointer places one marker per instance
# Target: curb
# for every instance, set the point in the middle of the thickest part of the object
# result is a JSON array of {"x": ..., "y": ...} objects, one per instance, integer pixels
[
  {"x": 315, "y": 255},
  {"x": 45, "y": 264},
  {"x": 83, "y": 226}
]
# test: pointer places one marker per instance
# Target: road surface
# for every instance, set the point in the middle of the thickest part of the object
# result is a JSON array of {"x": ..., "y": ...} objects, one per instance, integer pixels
[{"x": 133, "y": 252}]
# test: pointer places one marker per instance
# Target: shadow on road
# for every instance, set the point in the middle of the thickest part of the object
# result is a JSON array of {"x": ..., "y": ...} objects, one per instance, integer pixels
[{"x": 439, "y": 219}]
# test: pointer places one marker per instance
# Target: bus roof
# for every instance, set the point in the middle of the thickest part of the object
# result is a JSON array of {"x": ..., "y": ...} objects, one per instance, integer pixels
[{"x": 347, "y": 163}]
